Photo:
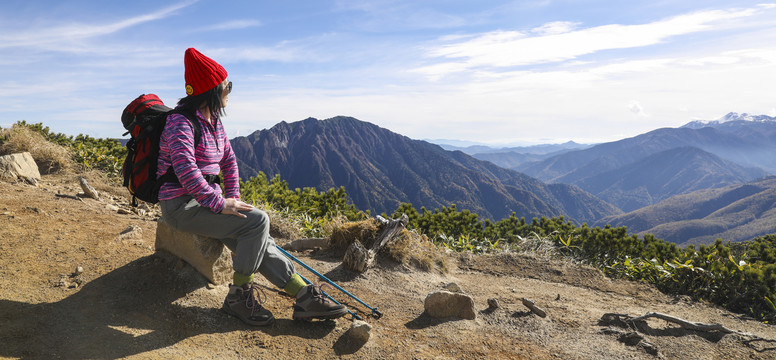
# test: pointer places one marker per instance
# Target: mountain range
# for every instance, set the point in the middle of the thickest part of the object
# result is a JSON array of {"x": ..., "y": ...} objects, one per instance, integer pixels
[
  {"x": 642, "y": 170},
  {"x": 733, "y": 213},
  {"x": 381, "y": 169},
  {"x": 706, "y": 170}
]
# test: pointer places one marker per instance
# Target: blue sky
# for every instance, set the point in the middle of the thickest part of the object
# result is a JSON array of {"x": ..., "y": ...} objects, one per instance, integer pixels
[{"x": 541, "y": 71}]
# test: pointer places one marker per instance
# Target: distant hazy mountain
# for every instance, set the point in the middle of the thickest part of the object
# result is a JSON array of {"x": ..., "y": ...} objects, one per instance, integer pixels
[
  {"x": 541, "y": 149},
  {"x": 512, "y": 157},
  {"x": 510, "y": 160},
  {"x": 733, "y": 213},
  {"x": 619, "y": 172},
  {"x": 381, "y": 169},
  {"x": 665, "y": 174}
]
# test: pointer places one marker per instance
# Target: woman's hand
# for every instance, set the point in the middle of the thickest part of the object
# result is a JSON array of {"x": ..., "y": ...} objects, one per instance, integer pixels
[{"x": 234, "y": 206}]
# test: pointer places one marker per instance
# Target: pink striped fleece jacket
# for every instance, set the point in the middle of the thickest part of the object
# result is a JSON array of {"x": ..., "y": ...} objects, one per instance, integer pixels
[{"x": 213, "y": 154}]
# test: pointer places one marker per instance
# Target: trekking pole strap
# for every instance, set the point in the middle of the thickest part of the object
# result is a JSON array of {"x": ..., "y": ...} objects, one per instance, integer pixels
[{"x": 375, "y": 313}]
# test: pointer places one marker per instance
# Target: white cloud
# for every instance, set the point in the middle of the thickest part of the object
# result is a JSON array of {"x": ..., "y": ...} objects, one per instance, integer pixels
[
  {"x": 231, "y": 25},
  {"x": 501, "y": 49},
  {"x": 66, "y": 34},
  {"x": 555, "y": 27}
]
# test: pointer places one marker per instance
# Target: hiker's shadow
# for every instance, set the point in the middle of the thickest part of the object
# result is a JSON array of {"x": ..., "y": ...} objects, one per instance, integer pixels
[{"x": 138, "y": 307}]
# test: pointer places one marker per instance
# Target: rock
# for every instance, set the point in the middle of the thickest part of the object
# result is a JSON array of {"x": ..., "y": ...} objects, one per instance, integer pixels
[
  {"x": 631, "y": 338},
  {"x": 307, "y": 244},
  {"x": 360, "y": 331},
  {"x": 535, "y": 309},
  {"x": 30, "y": 180},
  {"x": 79, "y": 270},
  {"x": 132, "y": 232},
  {"x": 209, "y": 256},
  {"x": 19, "y": 166},
  {"x": 442, "y": 304},
  {"x": 123, "y": 211},
  {"x": 89, "y": 191},
  {"x": 493, "y": 304},
  {"x": 453, "y": 287}
]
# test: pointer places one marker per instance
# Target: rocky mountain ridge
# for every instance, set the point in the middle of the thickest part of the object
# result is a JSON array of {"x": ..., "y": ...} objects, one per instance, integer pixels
[{"x": 381, "y": 169}]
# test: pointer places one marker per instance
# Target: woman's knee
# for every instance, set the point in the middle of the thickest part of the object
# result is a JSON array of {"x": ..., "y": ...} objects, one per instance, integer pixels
[{"x": 259, "y": 219}]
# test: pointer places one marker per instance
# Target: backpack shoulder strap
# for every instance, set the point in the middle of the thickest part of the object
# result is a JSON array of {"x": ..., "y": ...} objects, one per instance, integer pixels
[
  {"x": 194, "y": 124},
  {"x": 169, "y": 175}
]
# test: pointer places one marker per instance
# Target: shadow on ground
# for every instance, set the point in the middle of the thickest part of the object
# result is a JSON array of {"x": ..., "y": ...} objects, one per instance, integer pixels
[{"x": 130, "y": 310}]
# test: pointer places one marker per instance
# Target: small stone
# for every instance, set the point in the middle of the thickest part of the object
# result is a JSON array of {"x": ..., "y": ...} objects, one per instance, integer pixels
[
  {"x": 493, "y": 304},
  {"x": 452, "y": 287},
  {"x": 360, "y": 331},
  {"x": 132, "y": 229},
  {"x": 89, "y": 191},
  {"x": 123, "y": 211},
  {"x": 535, "y": 309},
  {"x": 31, "y": 180},
  {"x": 112, "y": 207},
  {"x": 79, "y": 270}
]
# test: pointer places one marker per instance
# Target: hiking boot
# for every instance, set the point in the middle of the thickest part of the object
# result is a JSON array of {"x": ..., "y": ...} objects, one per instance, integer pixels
[
  {"x": 244, "y": 302},
  {"x": 311, "y": 303}
]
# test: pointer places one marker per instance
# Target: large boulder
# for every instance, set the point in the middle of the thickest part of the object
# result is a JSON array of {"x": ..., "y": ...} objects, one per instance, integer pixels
[
  {"x": 19, "y": 166},
  {"x": 209, "y": 256}
]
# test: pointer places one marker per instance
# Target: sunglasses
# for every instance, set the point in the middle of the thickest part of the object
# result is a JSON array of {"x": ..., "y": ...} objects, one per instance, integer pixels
[{"x": 228, "y": 87}]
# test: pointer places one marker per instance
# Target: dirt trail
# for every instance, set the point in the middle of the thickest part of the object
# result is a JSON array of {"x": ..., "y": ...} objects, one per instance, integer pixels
[{"x": 133, "y": 303}]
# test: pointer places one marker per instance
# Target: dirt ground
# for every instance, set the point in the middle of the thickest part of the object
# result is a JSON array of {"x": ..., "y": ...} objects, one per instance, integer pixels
[{"x": 131, "y": 302}]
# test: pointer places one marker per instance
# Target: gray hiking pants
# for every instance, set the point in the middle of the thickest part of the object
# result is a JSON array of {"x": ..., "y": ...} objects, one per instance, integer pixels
[{"x": 248, "y": 238}]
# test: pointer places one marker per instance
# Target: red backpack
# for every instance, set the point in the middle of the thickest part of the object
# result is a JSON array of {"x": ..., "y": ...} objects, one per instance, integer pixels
[{"x": 144, "y": 118}]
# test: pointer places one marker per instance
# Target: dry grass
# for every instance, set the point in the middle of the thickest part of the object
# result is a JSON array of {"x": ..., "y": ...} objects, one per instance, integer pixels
[
  {"x": 537, "y": 246},
  {"x": 50, "y": 158},
  {"x": 344, "y": 233},
  {"x": 408, "y": 248},
  {"x": 411, "y": 248},
  {"x": 281, "y": 228}
]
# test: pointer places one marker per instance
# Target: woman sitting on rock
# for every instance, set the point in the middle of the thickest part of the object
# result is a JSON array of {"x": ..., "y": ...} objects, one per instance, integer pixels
[{"x": 196, "y": 204}]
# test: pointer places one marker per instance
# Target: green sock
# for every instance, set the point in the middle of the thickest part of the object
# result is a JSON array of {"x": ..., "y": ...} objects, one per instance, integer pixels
[
  {"x": 240, "y": 279},
  {"x": 294, "y": 285}
]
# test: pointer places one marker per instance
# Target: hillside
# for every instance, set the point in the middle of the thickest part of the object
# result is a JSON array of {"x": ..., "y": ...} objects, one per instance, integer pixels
[
  {"x": 381, "y": 169},
  {"x": 743, "y": 142},
  {"x": 733, "y": 213},
  {"x": 133, "y": 303},
  {"x": 664, "y": 174}
]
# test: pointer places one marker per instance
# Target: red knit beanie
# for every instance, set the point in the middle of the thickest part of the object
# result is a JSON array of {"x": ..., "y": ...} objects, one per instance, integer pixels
[{"x": 202, "y": 73}]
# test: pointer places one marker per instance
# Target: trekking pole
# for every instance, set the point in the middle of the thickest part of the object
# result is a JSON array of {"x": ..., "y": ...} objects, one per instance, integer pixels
[
  {"x": 354, "y": 315},
  {"x": 376, "y": 314}
]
